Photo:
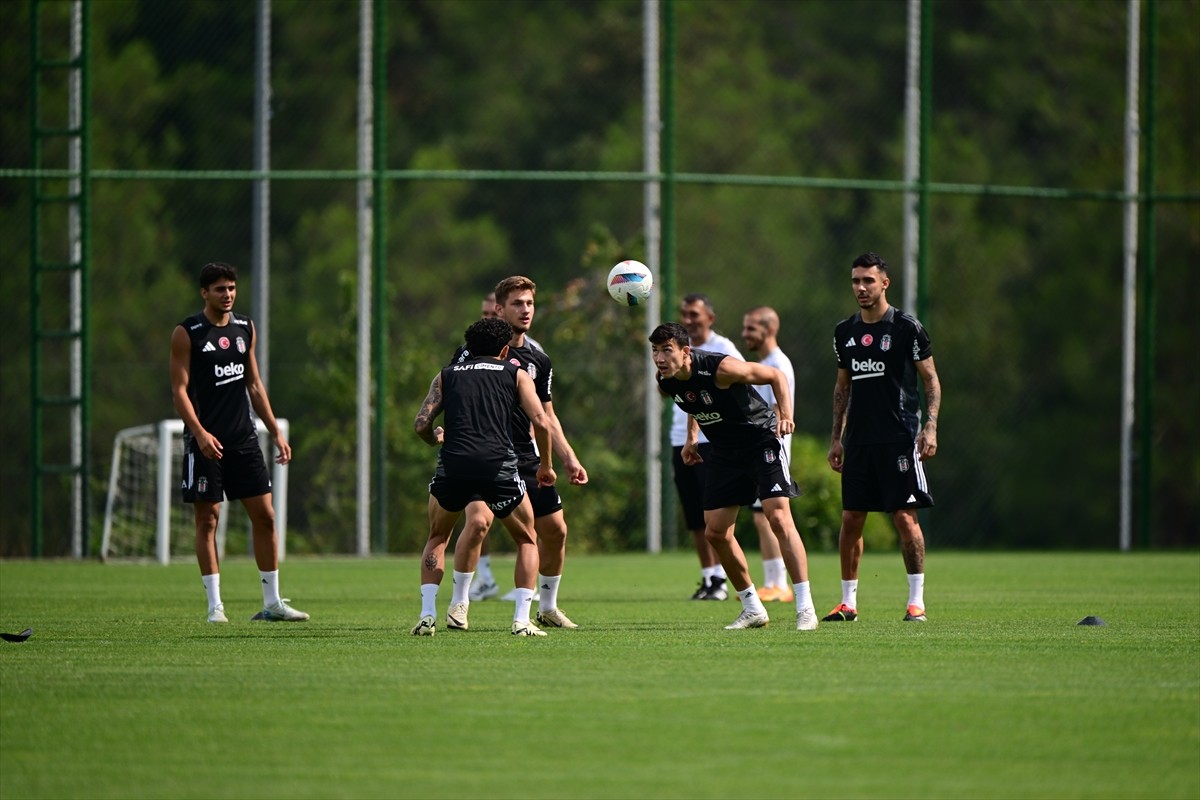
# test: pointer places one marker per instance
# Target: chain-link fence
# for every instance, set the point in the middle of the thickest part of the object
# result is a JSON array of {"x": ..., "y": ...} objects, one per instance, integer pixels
[{"x": 513, "y": 142}]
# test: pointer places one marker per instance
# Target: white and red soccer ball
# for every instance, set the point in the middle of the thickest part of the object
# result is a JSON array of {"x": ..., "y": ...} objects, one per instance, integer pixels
[{"x": 630, "y": 283}]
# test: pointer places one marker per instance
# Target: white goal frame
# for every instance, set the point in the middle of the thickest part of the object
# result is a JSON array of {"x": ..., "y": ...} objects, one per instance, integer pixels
[{"x": 166, "y": 475}]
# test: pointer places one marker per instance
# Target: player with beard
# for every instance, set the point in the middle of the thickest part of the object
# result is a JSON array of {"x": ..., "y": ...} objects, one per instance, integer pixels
[
  {"x": 878, "y": 442},
  {"x": 760, "y": 331}
]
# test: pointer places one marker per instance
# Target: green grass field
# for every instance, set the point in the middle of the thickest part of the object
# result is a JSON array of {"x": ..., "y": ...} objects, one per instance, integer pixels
[{"x": 125, "y": 691}]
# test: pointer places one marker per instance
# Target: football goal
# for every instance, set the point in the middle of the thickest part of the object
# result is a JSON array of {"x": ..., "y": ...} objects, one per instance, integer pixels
[{"x": 144, "y": 513}]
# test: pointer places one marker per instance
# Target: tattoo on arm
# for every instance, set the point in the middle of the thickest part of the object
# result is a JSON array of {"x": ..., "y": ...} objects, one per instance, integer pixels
[
  {"x": 933, "y": 397},
  {"x": 841, "y": 402},
  {"x": 431, "y": 406}
]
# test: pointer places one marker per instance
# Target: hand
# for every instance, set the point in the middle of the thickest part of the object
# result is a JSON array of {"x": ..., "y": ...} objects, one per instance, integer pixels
[
  {"x": 209, "y": 446},
  {"x": 285, "y": 450},
  {"x": 691, "y": 454},
  {"x": 927, "y": 441},
  {"x": 546, "y": 476},
  {"x": 785, "y": 427},
  {"x": 836, "y": 456},
  {"x": 576, "y": 474},
  {"x": 439, "y": 434}
]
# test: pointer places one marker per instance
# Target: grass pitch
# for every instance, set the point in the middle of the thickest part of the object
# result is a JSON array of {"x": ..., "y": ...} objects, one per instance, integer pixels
[{"x": 125, "y": 691}]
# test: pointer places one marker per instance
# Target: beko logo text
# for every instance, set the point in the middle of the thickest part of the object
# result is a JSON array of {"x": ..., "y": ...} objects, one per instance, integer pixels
[
  {"x": 229, "y": 370},
  {"x": 868, "y": 365}
]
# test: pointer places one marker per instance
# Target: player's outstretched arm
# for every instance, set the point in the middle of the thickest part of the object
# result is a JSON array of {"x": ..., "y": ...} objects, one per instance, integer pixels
[
  {"x": 731, "y": 371},
  {"x": 430, "y": 408},
  {"x": 927, "y": 438}
]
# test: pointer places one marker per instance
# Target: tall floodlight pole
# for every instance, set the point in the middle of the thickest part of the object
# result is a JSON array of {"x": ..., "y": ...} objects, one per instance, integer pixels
[
  {"x": 652, "y": 220},
  {"x": 1129, "y": 311},
  {"x": 366, "y": 157},
  {"x": 260, "y": 228},
  {"x": 912, "y": 154}
]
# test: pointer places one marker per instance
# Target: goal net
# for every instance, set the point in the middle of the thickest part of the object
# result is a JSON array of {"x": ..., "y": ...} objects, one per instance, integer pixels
[{"x": 144, "y": 513}]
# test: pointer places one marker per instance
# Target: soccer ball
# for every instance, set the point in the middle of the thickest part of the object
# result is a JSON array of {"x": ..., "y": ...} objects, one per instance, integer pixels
[{"x": 630, "y": 283}]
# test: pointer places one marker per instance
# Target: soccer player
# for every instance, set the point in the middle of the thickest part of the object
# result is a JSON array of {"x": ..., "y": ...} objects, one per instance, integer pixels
[
  {"x": 477, "y": 459},
  {"x": 515, "y": 300},
  {"x": 878, "y": 443},
  {"x": 484, "y": 584},
  {"x": 214, "y": 384},
  {"x": 746, "y": 460},
  {"x": 760, "y": 330},
  {"x": 696, "y": 311}
]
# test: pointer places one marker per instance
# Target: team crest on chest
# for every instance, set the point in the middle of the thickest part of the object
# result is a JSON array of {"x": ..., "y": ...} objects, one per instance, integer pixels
[
  {"x": 531, "y": 368},
  {"x": 706, "y": 398},
  {"x": 241, "y": 345},
  {"x": 885, "y": 343}
]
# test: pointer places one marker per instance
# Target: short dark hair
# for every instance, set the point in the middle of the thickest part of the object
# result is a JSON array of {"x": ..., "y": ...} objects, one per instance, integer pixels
[
  {"x": 870, "y": 259},
  {"x": 670, "y": 332},
  {"x": 698, "y": 297},
  {"x": 487, "y": 336},
  {"x": 217, "y": 270}
]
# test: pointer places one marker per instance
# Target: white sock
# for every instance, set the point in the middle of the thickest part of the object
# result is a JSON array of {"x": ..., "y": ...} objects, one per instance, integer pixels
[
  {"x": 270, "y": 587},
  {"x": 850, "y": 593},
  {"x": 548, "y": 591},
  {"x": 462, "y": 587},
  {"x": 750, "y": 601},
  {"x": 429, "y": 592},
  {"x": 916, "y": 590},
  {"x": 212, "y": 588},
  {"x": 803, "y": 595},
  {"x": 719, "y": 572},
  {"x": 484, "y": 570},
  {"x": 708, "y": 573},
  {"x": 773, "y": 572},
  {"x": 524, "y": 600}
]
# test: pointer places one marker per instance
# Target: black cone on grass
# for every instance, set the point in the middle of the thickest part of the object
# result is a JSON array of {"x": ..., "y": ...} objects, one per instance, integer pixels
[
  {"x": 1090, "y": 620},
  {"x": 17, "y": 637}
]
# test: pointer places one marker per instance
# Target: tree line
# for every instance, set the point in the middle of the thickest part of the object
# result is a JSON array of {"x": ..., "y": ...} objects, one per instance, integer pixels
[{"x": 1024, "y": 294}]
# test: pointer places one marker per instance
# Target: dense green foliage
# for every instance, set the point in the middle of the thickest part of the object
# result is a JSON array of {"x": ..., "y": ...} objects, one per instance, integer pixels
[
  {"x": 1025, "y": 296},
  {"x": 123, "y": 690}
]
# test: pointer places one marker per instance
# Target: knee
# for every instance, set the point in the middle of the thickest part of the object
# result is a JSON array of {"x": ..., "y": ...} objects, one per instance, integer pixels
[
  {"x": 715, "y": 536},
  {"x": 206, "y": 521},
  {"x": 554, "y": 535},
  {"x": 778, "y": 520}
]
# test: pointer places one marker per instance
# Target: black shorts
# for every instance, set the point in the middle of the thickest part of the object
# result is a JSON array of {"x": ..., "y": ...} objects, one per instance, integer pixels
[
  {"x": 502, "y": 492},
  {"x": 240, "y": 472},
  {"x": 884, "y": 477},
  {"x": 689, "y": 483},
  {"x": 739, "y": 477},
  {"x": 544, "y": 499}
]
